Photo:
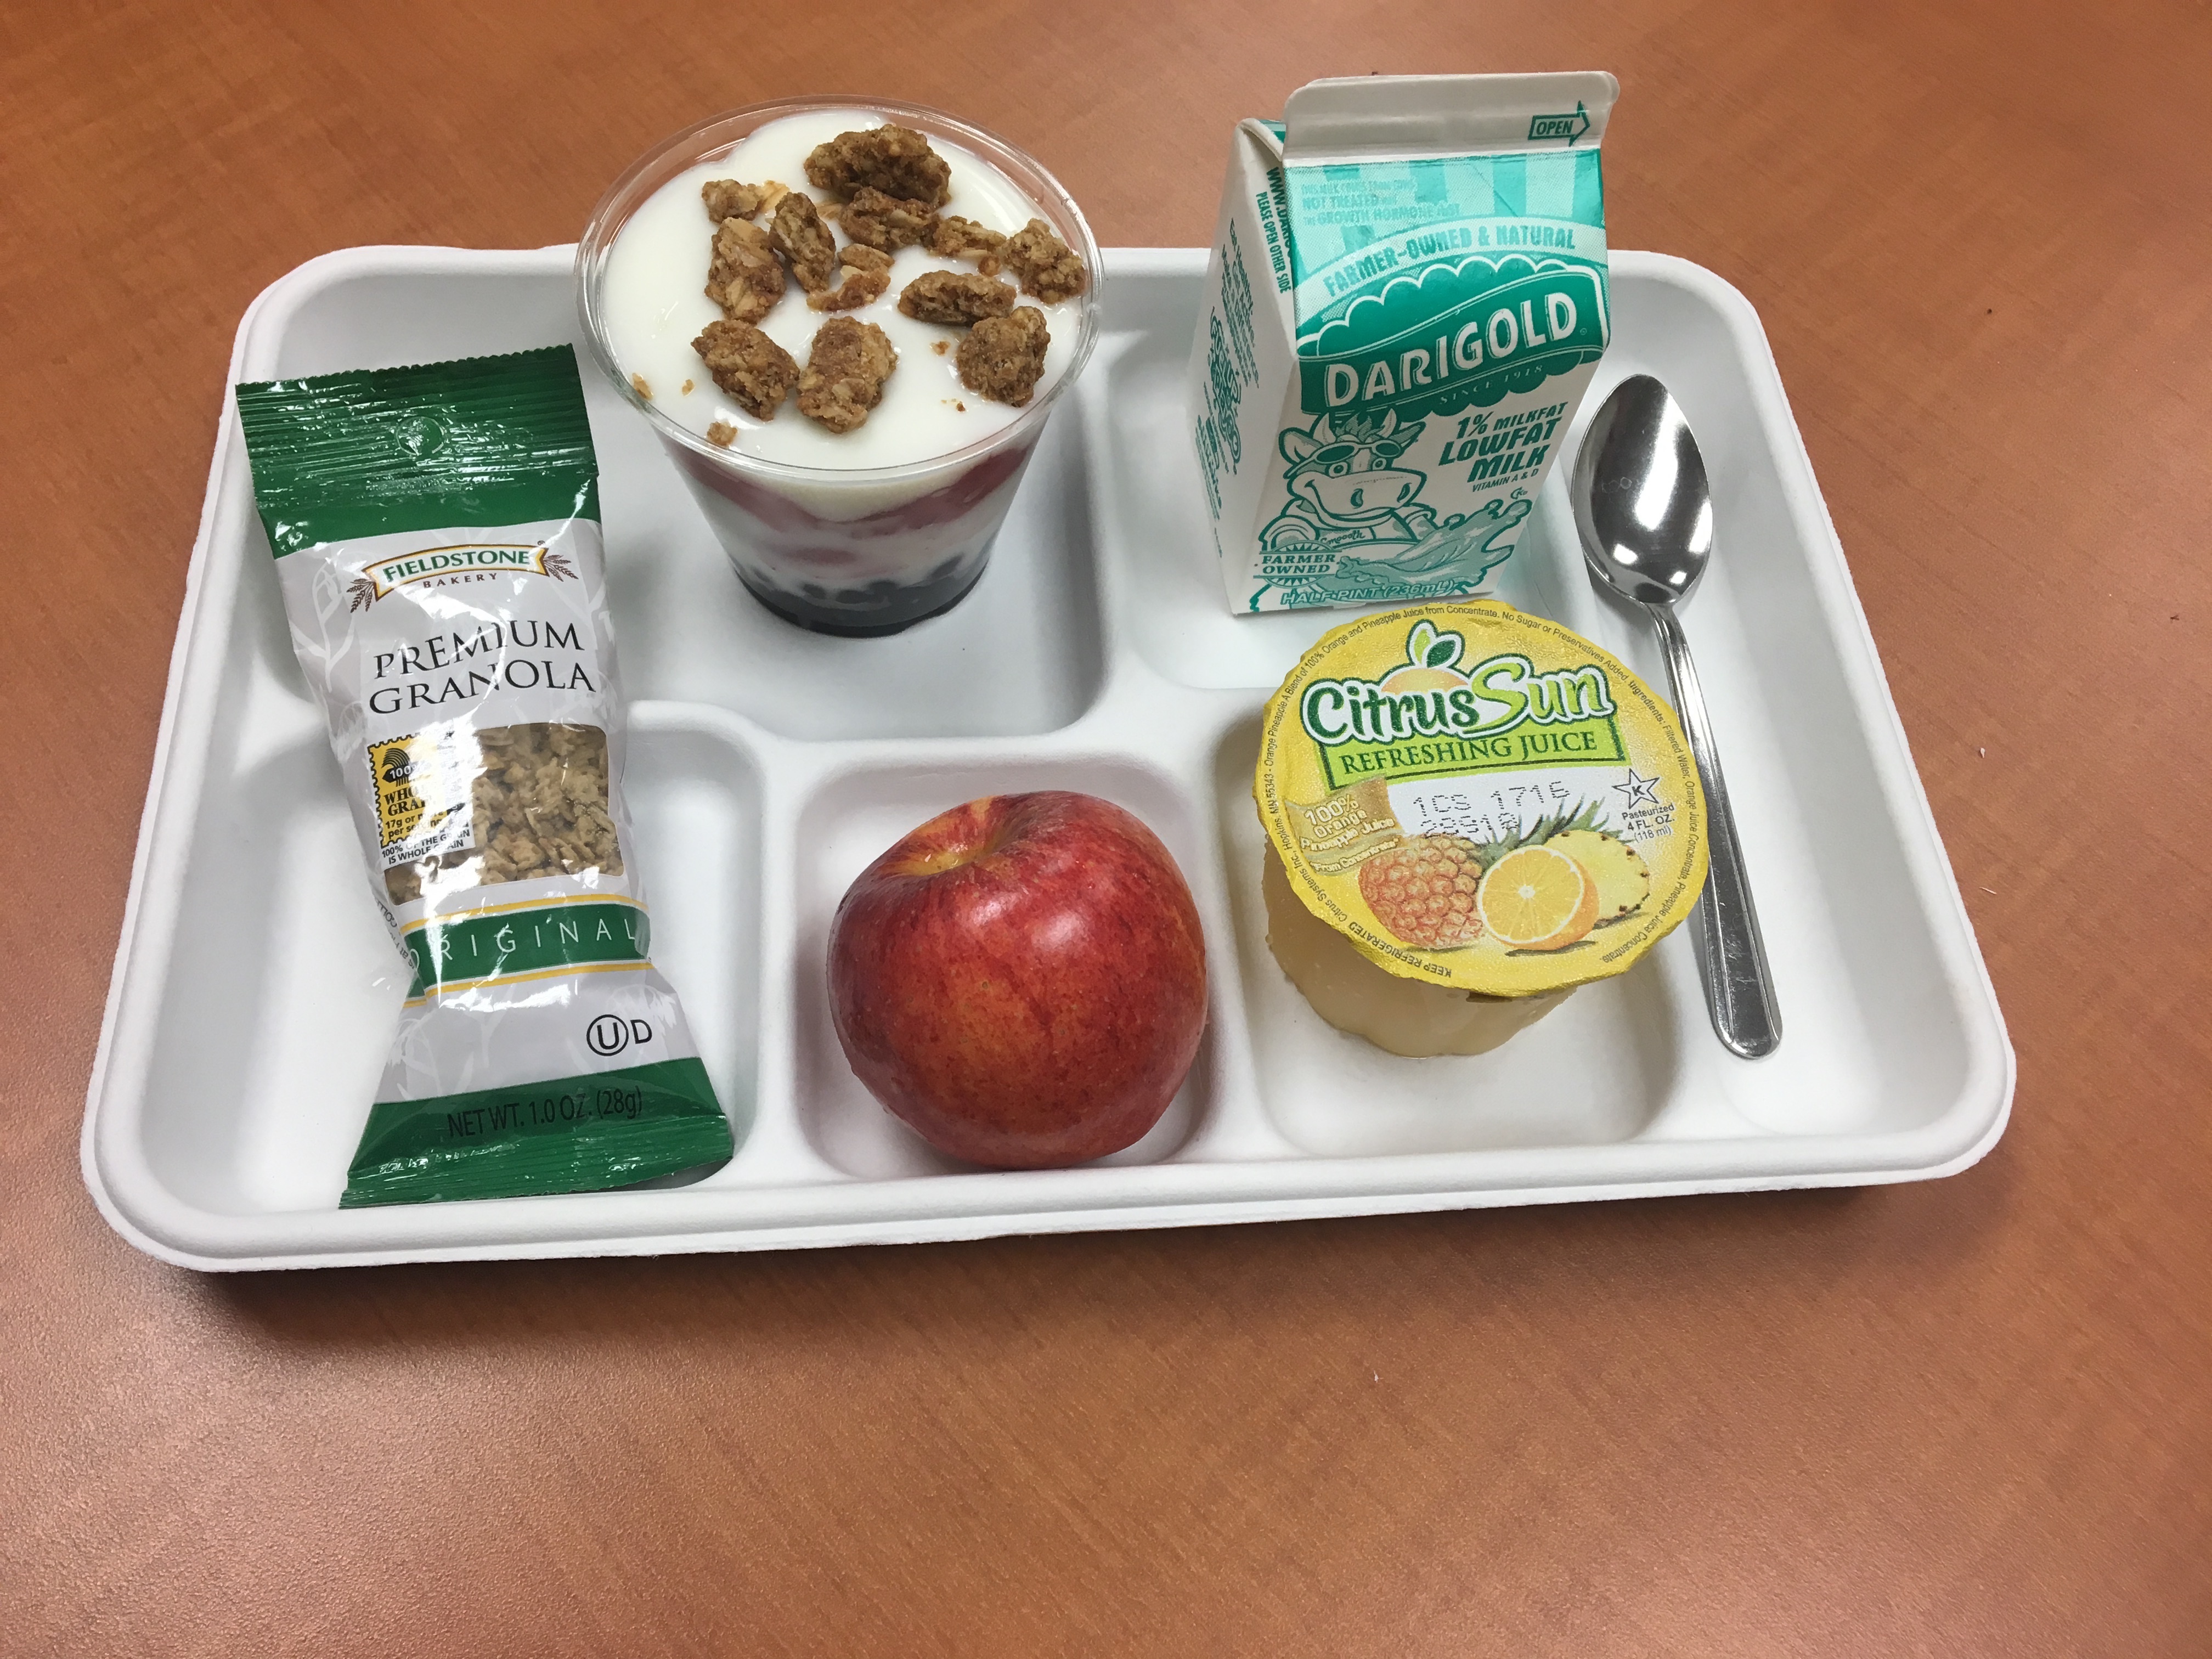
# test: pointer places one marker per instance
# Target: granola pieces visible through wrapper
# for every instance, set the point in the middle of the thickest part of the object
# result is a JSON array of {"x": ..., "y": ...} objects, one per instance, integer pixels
[
  {"x": 447, "y": 605},
  {"x": 743, "y": 276},
  {"x": 756, "y": 372},
  {"x": 539, "y": 806},
  {"x": 1003, "y": 357},
  {"x": 804, "y": 241},
  {"x": 864, "y": 275},
  {"x": 956, "y": 238},
  {"x": 896, "y": 160},
  {"x": 1049, "y": 268},
  {"x": 845, "y": 373},
  {"x": 540, "y": 802},
  {"x": 954, "y": 297}
]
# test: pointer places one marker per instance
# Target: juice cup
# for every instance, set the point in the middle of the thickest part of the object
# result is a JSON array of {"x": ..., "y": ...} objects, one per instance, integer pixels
[{"x": 859, "y": 550}]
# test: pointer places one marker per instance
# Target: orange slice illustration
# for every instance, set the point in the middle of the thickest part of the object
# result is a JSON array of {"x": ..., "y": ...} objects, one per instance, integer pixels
[{"x": 1536, "y": 899}]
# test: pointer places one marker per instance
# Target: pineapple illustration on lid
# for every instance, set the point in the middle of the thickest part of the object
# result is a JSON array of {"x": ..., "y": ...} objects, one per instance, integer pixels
[{"x": 1469, "y": 811}]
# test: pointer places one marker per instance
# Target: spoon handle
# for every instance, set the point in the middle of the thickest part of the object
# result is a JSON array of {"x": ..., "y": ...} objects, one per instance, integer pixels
[{"x": 1731, "y": 955}]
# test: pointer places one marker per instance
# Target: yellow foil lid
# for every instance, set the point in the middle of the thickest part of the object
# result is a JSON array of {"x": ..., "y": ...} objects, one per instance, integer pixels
[{"x": 1480, "y": 799}]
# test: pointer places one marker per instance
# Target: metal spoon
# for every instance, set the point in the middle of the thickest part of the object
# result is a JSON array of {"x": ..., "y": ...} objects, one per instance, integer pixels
[{"x": 1646, "y": 518}]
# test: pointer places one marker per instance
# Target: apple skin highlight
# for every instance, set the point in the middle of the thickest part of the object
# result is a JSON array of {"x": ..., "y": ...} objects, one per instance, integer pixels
[{"x": 1022, "y": 979}]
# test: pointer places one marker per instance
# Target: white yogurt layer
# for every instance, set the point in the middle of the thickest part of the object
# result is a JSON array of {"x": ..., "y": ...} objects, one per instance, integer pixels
[{"x": 654, "y": 304}]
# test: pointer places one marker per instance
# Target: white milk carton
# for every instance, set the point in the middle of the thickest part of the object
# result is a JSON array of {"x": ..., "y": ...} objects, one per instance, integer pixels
[{"x": 1406, "y": 302}]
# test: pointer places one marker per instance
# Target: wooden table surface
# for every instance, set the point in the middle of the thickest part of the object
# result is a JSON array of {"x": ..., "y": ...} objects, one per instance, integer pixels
[{"x": 1968, "y": 1417}]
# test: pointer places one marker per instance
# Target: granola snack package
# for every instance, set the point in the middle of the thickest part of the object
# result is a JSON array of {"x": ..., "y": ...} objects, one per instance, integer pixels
[{"x": 436, "y": 531}]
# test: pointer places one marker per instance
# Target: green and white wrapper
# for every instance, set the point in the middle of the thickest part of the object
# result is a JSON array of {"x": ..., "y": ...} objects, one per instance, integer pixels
[{"x": 437, "y": 539}]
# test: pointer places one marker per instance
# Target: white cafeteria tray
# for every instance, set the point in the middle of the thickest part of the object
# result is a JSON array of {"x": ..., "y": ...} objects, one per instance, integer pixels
[{"x": 255, "y": 989}]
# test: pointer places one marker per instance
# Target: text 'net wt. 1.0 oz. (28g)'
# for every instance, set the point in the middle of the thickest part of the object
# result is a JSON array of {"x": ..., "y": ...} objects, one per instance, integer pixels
[{"x": 438, "y": 544}]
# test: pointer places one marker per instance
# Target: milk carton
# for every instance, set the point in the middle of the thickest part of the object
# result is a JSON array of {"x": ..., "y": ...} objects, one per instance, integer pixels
[{"x": 1406, "y": 302}]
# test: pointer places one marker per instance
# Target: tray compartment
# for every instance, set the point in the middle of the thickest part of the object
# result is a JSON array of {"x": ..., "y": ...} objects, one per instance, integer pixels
[
  {"x": 856, "y": 814},
  {"x": 1167, "y": 593},
  {"x": 696, "y": 797},
  {"x": 285, "y": 990},
  {"x": 1023, "y": 654},
  {"x": 1598, "y": 1069},
  {"x": 284, "y": 986}
]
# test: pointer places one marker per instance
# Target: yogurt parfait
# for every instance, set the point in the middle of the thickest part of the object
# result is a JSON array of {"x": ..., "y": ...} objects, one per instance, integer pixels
[{"x": 847, "y": 321}]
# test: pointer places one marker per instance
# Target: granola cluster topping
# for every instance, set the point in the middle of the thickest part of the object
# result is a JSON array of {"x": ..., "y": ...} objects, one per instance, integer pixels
[
  {"x": 756, "y": 372},
  {"x": 845, "y": 372},
  {"x": 956, "y": 238},
  {"x": 1003, "y": 357},
  {"x": 887, "y": 185},
  {"x": 887, "y": 222},
  {"x": 742, "y": 275},
  {"x": 727, "y": 198},
  {"x": 805, "y": 242},
  {"x": 954, "y": 297},
  {"x": 868, "y": 276},
  {"x": 1047, "y": 267},
  {"x": 896, "y": 160}
]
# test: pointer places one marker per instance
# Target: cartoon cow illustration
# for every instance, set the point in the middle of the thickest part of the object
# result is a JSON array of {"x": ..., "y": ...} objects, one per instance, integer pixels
[
  {"x": 1348, "y": 497},
  {"x": 1344, "y": 487}
]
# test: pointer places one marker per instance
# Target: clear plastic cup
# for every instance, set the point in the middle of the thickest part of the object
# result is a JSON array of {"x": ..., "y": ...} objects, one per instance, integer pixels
[{"x": 859, "y": 550}]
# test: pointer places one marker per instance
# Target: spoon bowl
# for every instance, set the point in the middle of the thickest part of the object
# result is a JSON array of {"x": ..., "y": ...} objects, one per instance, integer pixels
[{"x": 1642, "y": 504}]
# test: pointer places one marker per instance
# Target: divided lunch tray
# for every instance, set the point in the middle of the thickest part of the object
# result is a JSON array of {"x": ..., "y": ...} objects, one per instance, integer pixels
[{"x": 255, "y": 988}]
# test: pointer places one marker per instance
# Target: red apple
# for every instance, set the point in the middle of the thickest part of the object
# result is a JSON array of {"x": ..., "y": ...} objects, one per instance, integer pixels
[{"x": 1022, "y": 979}]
